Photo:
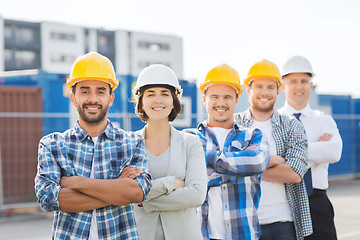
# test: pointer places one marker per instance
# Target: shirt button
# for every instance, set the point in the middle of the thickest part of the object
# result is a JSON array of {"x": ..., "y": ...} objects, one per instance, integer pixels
[{"x": 90, "y": 150}]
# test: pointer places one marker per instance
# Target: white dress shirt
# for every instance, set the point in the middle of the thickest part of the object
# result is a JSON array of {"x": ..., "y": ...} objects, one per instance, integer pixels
[{"x": 321, "y": 153}]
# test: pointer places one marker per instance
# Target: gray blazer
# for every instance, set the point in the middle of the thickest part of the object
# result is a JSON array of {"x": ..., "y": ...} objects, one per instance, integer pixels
[{"x": 176, "y": 209}]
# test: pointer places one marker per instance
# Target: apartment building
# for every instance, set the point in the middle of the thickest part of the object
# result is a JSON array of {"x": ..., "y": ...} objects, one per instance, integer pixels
[{"x": 53, "y": 47}]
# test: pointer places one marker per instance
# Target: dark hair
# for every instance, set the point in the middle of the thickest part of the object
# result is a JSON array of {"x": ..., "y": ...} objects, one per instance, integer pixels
[
  {"x": 144, "y": 117},
  {"x": 74, "y": 86}
]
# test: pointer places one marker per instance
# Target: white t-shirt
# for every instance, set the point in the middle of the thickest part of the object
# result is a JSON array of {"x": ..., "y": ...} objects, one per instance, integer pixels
[
  {"x": 216, "y": 222},
  {"x": 93, "y": 235},
  {"x": 273, "y": 206}
]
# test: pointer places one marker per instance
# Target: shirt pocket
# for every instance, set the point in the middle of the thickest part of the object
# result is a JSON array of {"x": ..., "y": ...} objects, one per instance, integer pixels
[{"x": 117, "y": 166}]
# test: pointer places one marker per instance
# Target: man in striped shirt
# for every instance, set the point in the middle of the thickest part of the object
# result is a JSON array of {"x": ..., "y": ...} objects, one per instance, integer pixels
[
  {"x": 235, "y": 158},
  {"x": 80, "y": 171}
]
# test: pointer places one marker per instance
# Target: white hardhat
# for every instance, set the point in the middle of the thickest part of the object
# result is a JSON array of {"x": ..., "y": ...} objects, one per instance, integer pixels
[
  {"x": 157, "y": 74},
  {"x": 297, "y": 64}
]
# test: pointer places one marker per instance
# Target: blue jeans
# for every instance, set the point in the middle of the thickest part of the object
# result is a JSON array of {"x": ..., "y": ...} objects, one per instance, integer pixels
[{"x": 278, "y": 231}]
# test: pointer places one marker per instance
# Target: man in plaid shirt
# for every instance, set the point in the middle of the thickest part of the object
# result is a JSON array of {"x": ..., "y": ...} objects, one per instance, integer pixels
[
  {"x": 284, "y": 208},
  {"x": 235, "y": 158},
  {"x": 81, "y": 176}
]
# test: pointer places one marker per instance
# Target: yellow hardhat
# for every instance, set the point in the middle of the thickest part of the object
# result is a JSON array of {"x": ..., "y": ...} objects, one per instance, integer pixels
[
  {"x": 264, "y": 69},
  {"x": 92, "y": 66},
  {"x": 222, "y": 74}
]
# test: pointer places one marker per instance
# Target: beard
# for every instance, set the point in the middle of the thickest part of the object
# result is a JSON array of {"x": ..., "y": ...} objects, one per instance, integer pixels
[
  {"x": 92, "y": 118},
  {"x": 221, "y": 120},
  {"x": 263, "y": 109}
]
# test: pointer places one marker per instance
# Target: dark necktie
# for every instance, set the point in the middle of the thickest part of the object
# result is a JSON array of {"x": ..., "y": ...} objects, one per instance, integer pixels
[{"x": 307, "y": 176}]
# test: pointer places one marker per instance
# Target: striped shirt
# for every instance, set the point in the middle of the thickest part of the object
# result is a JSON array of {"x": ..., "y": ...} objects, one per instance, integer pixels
[
  {"x": 237, "y": 171},
  {"x": 72, "y": 153},
  {"x": 291, "y": 144}
]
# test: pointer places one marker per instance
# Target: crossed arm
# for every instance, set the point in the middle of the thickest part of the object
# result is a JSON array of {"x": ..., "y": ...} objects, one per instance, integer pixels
[
  {"x": 279, "y": 171},
  {"x": 77, "y": 193},
  {"x": 84, "y": 194},
  {"x": 252, "y": 160},
  {"x": 292, "y": 167},
  {"x": 328, "y": 148}
]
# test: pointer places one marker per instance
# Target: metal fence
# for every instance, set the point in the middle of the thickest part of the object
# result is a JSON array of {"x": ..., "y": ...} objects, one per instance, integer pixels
[{"x": 20, "y": 133}]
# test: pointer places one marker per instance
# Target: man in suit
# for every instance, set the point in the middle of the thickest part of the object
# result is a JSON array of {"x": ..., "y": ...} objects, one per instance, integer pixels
[{"x": 324, "y": 140}]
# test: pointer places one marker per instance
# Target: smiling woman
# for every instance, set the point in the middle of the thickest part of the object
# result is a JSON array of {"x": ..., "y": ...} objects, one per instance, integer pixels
[{"x": 175, "y": 160}]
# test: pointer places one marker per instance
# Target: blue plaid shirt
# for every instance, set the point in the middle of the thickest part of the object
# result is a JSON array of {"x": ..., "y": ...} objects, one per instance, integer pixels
[
  {"x": 240, "y": 171},
  {"x": 71, "y": 154},
  {"x": 291, "y": 144}
]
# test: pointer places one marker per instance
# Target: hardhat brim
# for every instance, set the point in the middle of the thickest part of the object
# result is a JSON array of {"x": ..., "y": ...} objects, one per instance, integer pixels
[
  {"x": 207, "y": 84},
  {"x": 113, "y": 83},
  {"x": 248, "y": 80}
]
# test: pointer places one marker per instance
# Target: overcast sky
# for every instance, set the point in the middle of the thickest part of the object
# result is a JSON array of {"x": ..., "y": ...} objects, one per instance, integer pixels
[{"x": 236, "y": 32}]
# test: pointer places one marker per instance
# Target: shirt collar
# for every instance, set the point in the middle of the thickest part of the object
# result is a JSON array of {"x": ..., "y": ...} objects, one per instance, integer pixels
[
  {"x": 289, "y": 110},
  {"x": 203, "y": 126},
  {"x": 80, "y": 134},
  {"x": 248, "y": 119}
]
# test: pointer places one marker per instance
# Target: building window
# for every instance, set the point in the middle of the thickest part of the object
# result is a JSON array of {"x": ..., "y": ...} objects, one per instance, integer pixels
[
  {"x": 60, "y": 58},
  {"x": 152, "y": 46},
  {"x": 8, "y": 55},
  {"x": 25, "y": 35},
  {"x": 20, "y": 36},
  {"x": 21, "y": 59},
  {"x": 25, "y": 57},
  {"x": 63, "y": 36},
  {"x": 106, "y": 43},
  {"x": 8, "y": 33}
]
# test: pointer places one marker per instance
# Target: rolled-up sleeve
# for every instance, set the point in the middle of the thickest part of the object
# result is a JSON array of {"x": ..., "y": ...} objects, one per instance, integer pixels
[
  {"x": 242, "y": 162},
  {"x": 47, "y": 180},
  {"x": 139, "y": 160}
]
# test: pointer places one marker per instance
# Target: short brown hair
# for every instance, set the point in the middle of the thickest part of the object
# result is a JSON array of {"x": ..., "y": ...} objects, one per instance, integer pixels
[{"x": 144, "y": 117}]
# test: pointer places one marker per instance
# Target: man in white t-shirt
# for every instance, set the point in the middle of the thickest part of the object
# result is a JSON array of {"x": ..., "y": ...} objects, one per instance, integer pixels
[
  {"x": 235, "y": 158},
  {"x": 284, "y": 209},
  {"x": 325, "y": 144}
]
